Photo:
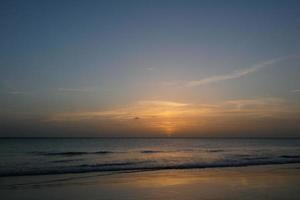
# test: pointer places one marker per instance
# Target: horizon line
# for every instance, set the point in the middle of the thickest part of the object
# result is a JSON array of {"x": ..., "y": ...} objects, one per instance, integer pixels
[{"x": 150, "y": 137}]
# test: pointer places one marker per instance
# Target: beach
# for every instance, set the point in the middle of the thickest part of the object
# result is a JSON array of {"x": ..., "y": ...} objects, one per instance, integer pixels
[
  {"x": 254, "y": 182},
  {"x": 160, "y": 169},
  {"x": 149, "y": 100}
]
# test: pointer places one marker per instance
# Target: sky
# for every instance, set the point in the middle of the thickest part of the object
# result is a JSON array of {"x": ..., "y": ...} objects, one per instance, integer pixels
[{"x": 149, "y": 68}]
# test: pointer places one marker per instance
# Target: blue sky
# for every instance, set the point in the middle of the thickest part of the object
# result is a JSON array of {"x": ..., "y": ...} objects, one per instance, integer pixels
[{"x": 69, "y": 58}]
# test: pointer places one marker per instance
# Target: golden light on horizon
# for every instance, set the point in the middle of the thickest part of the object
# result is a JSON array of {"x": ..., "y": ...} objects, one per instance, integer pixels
[
  {"x": 166, "y": 126},
  {"x": 174, "y": 118}
]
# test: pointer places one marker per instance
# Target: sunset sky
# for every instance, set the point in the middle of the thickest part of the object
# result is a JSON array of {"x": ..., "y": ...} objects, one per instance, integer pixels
[{"x": 150, "y": 68}]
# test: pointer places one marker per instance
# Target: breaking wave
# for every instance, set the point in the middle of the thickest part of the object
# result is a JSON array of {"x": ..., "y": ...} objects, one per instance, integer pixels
[{"x": 154, "y": 165}]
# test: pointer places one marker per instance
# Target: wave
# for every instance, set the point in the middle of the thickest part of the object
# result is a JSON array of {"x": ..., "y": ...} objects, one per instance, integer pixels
[
  {"x": 71, "y": 153},
  {"x": 104, "y": 152},
  {"x": 80, "y": 153},
  {"x": 151, "y": 166},
  {"x": 290, "y": 156},
  {"x": 66, "y": 161},
  {"x": 215, "y": 150},
  {"x": 151, "y": 151}
]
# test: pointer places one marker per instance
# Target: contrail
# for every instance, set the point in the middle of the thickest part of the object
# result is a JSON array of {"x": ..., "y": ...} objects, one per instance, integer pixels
[{"x": 239, "y": 73}]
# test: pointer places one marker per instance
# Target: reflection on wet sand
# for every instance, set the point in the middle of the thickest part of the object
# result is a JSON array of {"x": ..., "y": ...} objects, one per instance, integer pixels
[{"x": 260, "y": 182}]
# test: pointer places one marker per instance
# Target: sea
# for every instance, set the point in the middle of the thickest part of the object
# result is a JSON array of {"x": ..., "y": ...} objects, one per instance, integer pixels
[{"x": 45, "y": 156}]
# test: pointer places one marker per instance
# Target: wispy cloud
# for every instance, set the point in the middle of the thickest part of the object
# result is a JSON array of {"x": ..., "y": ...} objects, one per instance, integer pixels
[
  {"x": 74, "y": 89},
  {"x": 238, "y": 73},
  {"x": 163, "y": 103},
  {"x": 144, "y": 109},
  {"x": 296, "y": 91},
  {"x": 176, "y": 117},
  {"x": 257, "y": 107},
  {"x": 15, "y": 92}
]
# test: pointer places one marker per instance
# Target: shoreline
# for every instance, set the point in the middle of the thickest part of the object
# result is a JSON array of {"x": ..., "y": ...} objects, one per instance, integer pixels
[
  {"x": 154, "y": 169},
  {"x": 258, "y": 182}
]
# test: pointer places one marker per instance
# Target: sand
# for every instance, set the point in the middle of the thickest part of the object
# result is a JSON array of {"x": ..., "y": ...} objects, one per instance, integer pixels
[{"x": 256, "y": 182}]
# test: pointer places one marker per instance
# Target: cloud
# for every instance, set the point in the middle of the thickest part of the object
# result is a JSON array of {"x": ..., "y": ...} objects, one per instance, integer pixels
[
  {"x": 296, "y": 91},
  {"x": 266, "y": 101},
  {"x": 170, "y": 117},
  {"x": 238, "y": 73},
  {"x": 257, "y": 107},
  {"x": 145, "y": 109},
  {"x": 74, "y": 89},
  {"x": 16, "y": 92},
  {"x": 163, "y": 103}
]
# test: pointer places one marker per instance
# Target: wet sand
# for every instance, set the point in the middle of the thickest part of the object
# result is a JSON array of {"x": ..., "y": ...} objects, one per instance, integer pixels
[{"x": 256, "y": 182}]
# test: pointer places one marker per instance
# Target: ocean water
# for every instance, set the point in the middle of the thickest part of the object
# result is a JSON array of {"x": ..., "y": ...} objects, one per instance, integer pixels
[{"x": 81, "y": 155}]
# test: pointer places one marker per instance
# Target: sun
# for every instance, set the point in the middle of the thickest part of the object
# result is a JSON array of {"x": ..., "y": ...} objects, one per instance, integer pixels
[{"x": 168, "y": 127}]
